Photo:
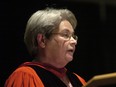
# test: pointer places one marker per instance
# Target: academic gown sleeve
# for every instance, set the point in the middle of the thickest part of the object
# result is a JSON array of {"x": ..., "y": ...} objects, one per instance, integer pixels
[{"x": 24, "y": 77}]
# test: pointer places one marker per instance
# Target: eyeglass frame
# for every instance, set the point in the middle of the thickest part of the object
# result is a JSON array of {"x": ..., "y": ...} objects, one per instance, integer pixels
[{"x": 67, "y": 36}]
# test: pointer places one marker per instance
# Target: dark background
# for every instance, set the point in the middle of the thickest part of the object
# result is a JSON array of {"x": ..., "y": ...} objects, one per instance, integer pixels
[{"x": 96, "y": 49}]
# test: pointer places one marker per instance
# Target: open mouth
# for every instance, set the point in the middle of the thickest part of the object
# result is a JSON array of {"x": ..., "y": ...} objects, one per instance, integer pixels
[{"x": 71, "y": 52}]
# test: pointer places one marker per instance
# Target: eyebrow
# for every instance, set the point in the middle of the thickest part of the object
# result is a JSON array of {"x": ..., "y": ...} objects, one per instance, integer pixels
[{"x": 68, "y": 31}]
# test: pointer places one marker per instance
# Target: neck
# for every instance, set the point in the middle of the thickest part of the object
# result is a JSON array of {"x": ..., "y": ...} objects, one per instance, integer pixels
[{"x": 48, "y": 61}]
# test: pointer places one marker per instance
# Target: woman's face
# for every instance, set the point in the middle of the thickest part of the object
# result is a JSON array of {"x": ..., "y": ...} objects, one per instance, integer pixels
[{"x": 60, "y": 48}]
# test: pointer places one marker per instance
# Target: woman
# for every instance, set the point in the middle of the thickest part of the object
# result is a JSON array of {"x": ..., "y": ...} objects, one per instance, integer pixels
[{"x": 51, "y": 41}]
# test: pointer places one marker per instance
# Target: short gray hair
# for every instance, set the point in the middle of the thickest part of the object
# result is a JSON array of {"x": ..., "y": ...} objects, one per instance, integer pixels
[{"x": 44, "y": 22}]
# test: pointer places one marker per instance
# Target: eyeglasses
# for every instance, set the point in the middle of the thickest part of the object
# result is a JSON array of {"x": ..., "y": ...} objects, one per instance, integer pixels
[{"x": 67, "y": 36}]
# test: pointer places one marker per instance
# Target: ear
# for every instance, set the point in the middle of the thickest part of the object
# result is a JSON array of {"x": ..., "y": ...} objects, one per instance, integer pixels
[{"x": 41, "y": 40}]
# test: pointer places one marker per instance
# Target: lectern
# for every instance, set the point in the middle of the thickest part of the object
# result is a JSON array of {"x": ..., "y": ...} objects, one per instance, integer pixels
[{"x": 104, "y": 80}]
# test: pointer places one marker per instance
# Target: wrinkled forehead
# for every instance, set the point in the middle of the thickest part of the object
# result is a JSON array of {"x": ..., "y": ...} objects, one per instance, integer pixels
[{"x": 65, "y": 26}]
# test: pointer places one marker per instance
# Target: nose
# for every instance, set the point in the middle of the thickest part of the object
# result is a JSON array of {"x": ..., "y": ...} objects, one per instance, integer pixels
[{"x": 73, "y": 41}]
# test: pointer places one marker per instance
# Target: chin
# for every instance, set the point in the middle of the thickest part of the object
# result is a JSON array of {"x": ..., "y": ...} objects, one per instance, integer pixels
[{"x": 69, "y": 59}]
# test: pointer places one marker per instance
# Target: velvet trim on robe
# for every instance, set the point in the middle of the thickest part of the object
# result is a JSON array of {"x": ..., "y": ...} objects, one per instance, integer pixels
[{"x": 28, "y": 76}]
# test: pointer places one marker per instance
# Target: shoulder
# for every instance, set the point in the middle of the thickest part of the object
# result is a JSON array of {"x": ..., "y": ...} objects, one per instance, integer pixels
[
  {"x": 23, "y": 75},
  {"x": 25, "y": 69}
]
